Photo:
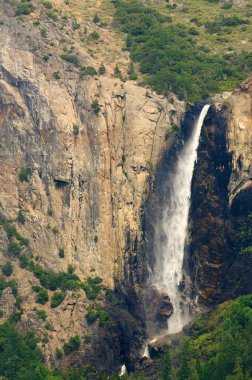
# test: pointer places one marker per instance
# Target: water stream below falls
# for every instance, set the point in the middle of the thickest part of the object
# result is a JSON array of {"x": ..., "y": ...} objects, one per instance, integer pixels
[{"x": 170, "y": 275}]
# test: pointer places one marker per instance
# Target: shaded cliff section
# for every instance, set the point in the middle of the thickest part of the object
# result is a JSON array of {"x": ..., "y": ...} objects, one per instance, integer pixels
[
  {"x": 221, "y": 200},
  {"x": 220, "y": 204}
]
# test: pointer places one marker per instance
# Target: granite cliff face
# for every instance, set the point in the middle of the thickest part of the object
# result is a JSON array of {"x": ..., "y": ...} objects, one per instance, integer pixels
[
  {"x": 88, "y": 149},
  {"x": 84, "y": 162}
]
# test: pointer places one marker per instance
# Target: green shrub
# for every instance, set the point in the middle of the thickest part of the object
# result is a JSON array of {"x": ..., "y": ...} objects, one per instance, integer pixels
[
  {"x": 8, "y": 284},
  {"x": 96, "y": 19},
  {"x": 41, "y": 314},
  {"x": 25, "y": 8},
  {"x": 94, "y": 314},
  {"x": 72, "y": 345},
  {"x": 61, "y": 253},
  {"x": 76, "y": 130},
  {"x": 42, "y": 295},
  {"x": 46, "y": 58},
  {"x": 50, "y": 211},
  {"x": 43, "y": 32},
  {"x": 55, "y": 230},
  {"x": 56, "y": 75},
  {"x": 47, "y": 4},
  {"x": 76, "y": 26},
  {"x": 102, "y": 70},
  {"x": 59, "y": 353},
  {"x": 14, "y": 247},
  {"x": 57, "y": 299},
  {"x": 71, "y": 58},
  {"x": 91, "y": 287},
  {"x": 88, "y": 70},
  {"x": 7, "y": 269},
  {"x": 52, "y": 15},
  {"x": 94, "y": 36},
  {"x": 23, "y": 261},
  {"x": 95, "y": 106},
  {"x": 25, "y": 174},
  {"x": 20, "y": 217}
]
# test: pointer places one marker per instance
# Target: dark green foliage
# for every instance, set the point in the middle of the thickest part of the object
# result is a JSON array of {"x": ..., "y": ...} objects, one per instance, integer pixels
[
  {"x": 56, "y": 75},
  {"x": 229, "y": 21},
  {"x": 52, "y": 15},
  {"x": 15, "y": 317},
  {"x": 46, "y": 58},
  {"x": 131, "y": 72},
  {"x": 102, "y": 70},
  {"x": 25, "y": 8},
  {"x": 59, "y": 353},
  {"x": 55, "y": 230},
  {"x": 96, "y": 19},
  {"x": 7, "y": 269},
  {"x": 16, "y": 241},
  {"x": 76, "y": 26},
  {"x": 94, "y": 314},
  {"x": 43, "y": 32},
  {"x": 95, "y": 106},
  {"x": 25, "y": 174},
  {"x": 61, "y": 253},
  {"x": 167, "y": 371},
  {"x": 88, "y": 70},
  {"x": 72, "y": 345},
  {"x": 20, "y": 217},
  {"x": 171, "y": 59},
  {"x": 47, "y": 4},
  {"x": 41, "y": 314},
  {"x": 57, "y": 299},
  {"x": 42, "y": 295},
  {"x": 71, "y": 58},
  {"x": 219, "y": 345},
  {"x": 91, "y": 287},
  {"x": 50, "y": 212},
  {"x": 94, "y": 36},
  {"x": 23, "y": 261},
  {"x": 8, "y": 284},
  {"x": 19, "y": 357},
  {"x": 76, "y": 130},
  {"x": 51, "y": 280}
]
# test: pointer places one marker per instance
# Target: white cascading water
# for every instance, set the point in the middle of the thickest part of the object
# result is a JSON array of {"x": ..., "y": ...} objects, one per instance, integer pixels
[{"x": 171, "y": 233}]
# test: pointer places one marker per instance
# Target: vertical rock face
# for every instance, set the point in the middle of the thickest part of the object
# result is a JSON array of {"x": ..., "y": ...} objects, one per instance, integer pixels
[
  {"x": 76, "y": 158},
  {"x": 221, "y": 193},
  {"x": 93, "y": 183}
]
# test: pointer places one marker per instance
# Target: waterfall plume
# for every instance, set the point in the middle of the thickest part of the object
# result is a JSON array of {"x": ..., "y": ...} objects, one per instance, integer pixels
[{"x": 169, "y": 275}]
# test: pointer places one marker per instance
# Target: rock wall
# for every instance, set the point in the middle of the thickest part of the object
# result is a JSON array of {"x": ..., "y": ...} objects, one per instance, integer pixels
[
  {"x": 90, "y": 146},
  {"x": 221, "y": 194}
]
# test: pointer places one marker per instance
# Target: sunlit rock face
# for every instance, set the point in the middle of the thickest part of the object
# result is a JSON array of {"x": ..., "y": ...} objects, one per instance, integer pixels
[{"x": 85, "y": 189}]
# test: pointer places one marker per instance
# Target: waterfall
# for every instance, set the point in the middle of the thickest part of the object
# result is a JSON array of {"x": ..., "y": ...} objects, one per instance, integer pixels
[{"x": 169, "y": 275}]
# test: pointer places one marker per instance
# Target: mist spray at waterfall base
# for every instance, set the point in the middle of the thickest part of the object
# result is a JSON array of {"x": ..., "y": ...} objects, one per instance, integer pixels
[{"x": 170, "y": 275}]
